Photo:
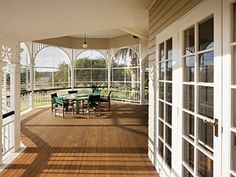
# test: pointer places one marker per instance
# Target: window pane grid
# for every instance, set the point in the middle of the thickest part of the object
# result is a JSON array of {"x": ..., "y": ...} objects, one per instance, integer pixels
[
  {"x": 165, "y": 101},
  {"x": 198, "y": 92}
]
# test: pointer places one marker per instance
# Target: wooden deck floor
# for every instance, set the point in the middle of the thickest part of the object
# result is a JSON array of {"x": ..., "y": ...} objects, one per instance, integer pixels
[{"x": 114, "y": 144}]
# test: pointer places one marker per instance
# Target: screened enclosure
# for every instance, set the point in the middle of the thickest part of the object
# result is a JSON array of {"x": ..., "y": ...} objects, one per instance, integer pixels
[
  {"x": 54, "y": 69},
  {"x": 126, "y": 75},
  {"x": 90, "y": 68}
]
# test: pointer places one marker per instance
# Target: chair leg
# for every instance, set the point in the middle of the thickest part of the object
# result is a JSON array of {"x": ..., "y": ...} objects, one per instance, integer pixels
[
  {"x": 99, "y": 108},
  {"x": 55, "y": 114},
  {"x": 63, "y": 112},
  {"x": 73, "y": 109},
  {"x": 83, "y": 107},
  {"x": 88, "y": 110},
  {"x": 109, "y": 105}
]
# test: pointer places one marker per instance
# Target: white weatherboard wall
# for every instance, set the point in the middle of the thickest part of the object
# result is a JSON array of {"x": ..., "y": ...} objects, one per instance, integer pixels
[{"x": 193, "y": 17}]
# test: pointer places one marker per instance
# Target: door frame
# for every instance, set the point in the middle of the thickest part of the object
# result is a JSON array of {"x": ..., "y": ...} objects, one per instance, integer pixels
[
  {"x": 205, "y": 10},
  {"x": 162, "y": 168}
]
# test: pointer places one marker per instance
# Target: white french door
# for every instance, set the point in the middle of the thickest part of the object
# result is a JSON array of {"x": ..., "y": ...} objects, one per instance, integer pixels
[
  {"x": 167, "y": 60},
  {"x": 200, "y": 39},
  {"x": 189, "y": 98}
]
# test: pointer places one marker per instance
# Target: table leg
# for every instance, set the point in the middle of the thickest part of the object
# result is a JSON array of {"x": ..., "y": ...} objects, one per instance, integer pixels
[
  {"x": 77, "y": 106},
  {"x": 83, "y": 106}
]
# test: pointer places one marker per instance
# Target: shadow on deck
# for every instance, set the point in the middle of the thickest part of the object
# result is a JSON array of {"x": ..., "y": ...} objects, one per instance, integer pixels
[{"x": 114, "y": 144}]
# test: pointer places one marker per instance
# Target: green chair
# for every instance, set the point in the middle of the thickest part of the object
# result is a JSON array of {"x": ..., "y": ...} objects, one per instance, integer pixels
[
  {"x": 94, "y": 102},
  {"x": 106, "y": 99},
  {"x": 53, "y": 103},
  {"x": 60, "y": 104}
]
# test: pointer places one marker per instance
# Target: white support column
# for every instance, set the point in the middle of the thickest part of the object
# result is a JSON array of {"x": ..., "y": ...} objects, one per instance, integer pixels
[
  {"x": 143, "y": 55},
  {"x": 15, "y": 95},
  {"x": 32, "y": 84},
  {"x": 142, "y": 82},
  {"x": 4, "y": 91},
  {"x": 109, "y": 74},
  {"x": 109, "y": 67},
  {"x": 1, "y": 107},
  {"x": 32, "y": 73},
  {"x": 15, "y": 102},
  {"x": 72, "y": 70}
]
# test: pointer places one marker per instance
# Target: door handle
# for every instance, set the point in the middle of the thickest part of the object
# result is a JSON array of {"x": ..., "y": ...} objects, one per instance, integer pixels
[{"x": 216, "y": 127}]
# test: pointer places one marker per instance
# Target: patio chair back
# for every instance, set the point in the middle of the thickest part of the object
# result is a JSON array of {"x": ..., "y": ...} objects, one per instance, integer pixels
[
  {"x": 59, "y": 101},
  {"x": 96, "y": 90},
  {"x": 53, "y": 96}
]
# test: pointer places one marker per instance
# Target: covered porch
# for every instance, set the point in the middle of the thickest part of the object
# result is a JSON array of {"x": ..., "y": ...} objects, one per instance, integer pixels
[{"x": 114, "y": 144}]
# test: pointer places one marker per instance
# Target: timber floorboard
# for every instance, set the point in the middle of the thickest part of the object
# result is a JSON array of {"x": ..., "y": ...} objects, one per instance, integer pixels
[{"x": 111, "y": 145}]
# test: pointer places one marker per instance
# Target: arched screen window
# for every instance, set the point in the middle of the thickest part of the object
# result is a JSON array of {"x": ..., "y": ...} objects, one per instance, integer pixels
[
  {"x": 52, "y": 68},
  {"x": 90, "y": 69},
  {"x": 126, "y": 75},
  {"x": 25, "y": 70}
]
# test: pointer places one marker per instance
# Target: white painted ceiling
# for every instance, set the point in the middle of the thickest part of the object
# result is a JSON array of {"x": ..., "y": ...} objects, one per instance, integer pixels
[{"x": 42, "y": 19}]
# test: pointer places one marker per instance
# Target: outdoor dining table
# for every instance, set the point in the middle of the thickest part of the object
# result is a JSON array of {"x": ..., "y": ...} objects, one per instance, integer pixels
[{"x": 79, "y": 97}]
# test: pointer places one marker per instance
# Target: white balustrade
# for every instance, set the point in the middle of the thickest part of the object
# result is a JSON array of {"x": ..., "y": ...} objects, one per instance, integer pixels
[{"x": 8, "y": 142}]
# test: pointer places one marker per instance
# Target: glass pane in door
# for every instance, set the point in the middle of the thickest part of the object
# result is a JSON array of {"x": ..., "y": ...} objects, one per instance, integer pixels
[
  {"x": 233, "y": 107},
  {"x": 189, "y": 69},
  {"x": 161, "y": 71},
  {"x": 168, "y": 114},
  {"x": 189, "y": 41},
  {"x": 161, "y": 129},
  {"x": 188, "y": 123},
  {"x": 233, "y": 152},
  {"x": 161, "y": 110},
  {"x": 206, "y": 101},
  {"x": 169, "y": 92},
  {"x": 188, "y": 151},
  {"x": 160, "y": 147},
  {"x": 169, "y": 70},
  {"x": 205, "y": 165},
  {"x": 206, "y": 34},
  {"x": 168, "y": 136},
  {"x": 233, "y": 65},
  {"x": 205, "y": 134},
  {"x": 161, "y": 90},
  {"x": 188, "y": 94},
  {"x": 161, "y": 52},
  {"x": 168, "y": 157},
  {"x": 186, "y": 173},
  {"x": 169, "y": 49},
  {"x": 206, "y": 67}
]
